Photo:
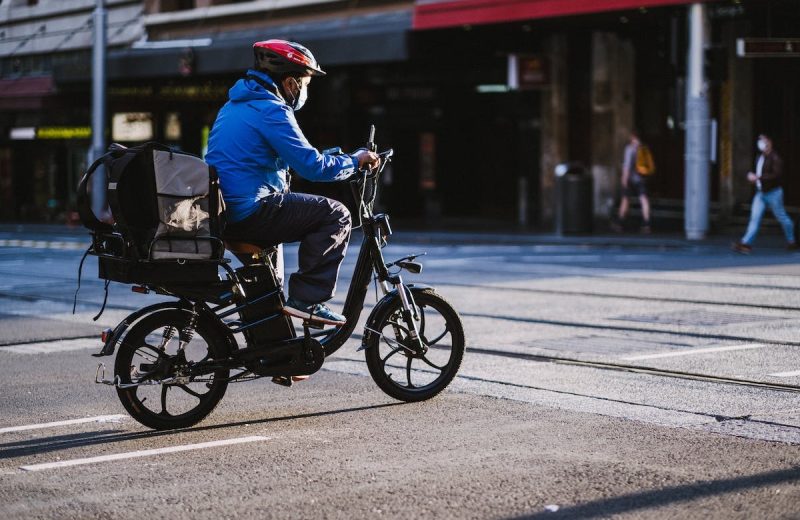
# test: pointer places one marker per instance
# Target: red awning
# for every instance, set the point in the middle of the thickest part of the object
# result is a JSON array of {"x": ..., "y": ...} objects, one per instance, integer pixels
[{"x": 450, "y": 13}]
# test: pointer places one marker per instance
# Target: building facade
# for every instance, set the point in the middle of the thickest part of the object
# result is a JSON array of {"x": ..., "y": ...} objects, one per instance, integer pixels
[{"x": 480, "y": 99}]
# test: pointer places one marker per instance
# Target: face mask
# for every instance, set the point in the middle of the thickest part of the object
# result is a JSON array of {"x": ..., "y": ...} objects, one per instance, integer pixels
[
  {"x": 300, "y": 98},
  {"x": 762, "y": 145}
]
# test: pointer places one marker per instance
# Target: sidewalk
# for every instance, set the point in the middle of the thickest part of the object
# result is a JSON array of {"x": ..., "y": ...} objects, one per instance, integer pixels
[{"x": 767, "y": 241}]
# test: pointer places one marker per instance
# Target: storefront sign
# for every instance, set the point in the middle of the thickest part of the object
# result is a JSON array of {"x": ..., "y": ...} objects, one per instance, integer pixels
[
  {"x": 63, "y": 132},
  {"x": 526, "y": 72},
  {"x": 768, "y": 47},
  {"x": 22, "y": 133},
  {"x": 50, "y": 132}
]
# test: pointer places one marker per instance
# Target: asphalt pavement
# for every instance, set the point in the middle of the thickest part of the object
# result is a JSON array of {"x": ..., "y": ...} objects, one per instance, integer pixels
[{"x": 620, "y": 376}]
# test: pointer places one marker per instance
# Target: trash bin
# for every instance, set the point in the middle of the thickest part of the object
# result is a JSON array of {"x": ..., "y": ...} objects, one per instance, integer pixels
[{"x": 574, "y": 212}]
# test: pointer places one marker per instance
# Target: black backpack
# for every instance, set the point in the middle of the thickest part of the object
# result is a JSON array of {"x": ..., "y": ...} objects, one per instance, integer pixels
[{"x": 165, "y": 212}]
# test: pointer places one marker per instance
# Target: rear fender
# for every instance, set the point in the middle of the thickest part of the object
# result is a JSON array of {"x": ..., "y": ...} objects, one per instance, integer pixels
[
  {"x": 379, "y": 309},
  {"x": 119, "y": 331}
]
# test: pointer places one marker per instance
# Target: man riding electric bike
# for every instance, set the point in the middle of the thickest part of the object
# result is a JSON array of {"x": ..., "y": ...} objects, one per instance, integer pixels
[{"x": 253, "y": 143}]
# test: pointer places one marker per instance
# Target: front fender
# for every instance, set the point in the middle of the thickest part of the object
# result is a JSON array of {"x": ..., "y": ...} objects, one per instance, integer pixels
[{"x": 378, "y": 310}]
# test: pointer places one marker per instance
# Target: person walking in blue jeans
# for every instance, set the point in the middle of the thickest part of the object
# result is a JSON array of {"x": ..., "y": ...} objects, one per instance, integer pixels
[{"x": 769, "y": 193}]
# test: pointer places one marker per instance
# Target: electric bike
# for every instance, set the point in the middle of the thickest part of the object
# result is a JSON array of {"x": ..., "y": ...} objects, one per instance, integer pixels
[{"x": 175, "y": 359}]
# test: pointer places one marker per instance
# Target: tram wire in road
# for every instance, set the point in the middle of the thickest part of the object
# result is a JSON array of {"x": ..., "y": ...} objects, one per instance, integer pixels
[{"x": 621, "y": 296}]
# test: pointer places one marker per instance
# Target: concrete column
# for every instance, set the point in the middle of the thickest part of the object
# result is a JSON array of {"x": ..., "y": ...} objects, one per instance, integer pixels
[
  {"x": 554, "y": 123},
  {"x": 698, "y": 149}
]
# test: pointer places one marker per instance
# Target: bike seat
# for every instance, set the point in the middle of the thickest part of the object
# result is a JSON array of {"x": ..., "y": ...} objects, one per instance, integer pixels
[{"x": 246, "y": 248}]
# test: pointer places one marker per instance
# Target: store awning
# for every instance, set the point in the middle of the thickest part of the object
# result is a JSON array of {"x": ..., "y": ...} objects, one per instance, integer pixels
[
  {"x": 25, "y": 93},
  {"x": 436, "y": 14},
  {"x": 357, "y": 39}
]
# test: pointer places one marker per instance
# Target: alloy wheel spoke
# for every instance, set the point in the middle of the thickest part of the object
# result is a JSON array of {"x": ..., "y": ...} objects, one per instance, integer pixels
[
  {"x": 190, "y": 391},
  {"x": 438, "y": 338},
  {"x": 390, "y": 354},
  {"x": 164, "y": 390},
  {"x": 431, "y": 364}
]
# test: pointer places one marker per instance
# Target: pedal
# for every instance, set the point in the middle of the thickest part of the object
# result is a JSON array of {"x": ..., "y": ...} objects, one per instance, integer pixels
[
  {"x": 309, "y": 324},
  {"x": 282, "y": 380}
]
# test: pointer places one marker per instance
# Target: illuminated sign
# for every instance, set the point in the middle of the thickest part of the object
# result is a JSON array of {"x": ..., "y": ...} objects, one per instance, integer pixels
[
  {"x": 132, "y": 126},
  {"x": 50, "y": 132},
  {"x": 768, "y": 47},
  {"x": 63, "y": 132},
  {"x": 22, "y": 134}
]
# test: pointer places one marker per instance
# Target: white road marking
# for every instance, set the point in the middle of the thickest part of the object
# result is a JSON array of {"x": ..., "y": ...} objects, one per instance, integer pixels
[
  {"x": 43, "y": 244},
  {"x": 142, "y": 453},
  {"x": 62, "y": 345},
  {"x": 793, "y": 373},
  {"x": 690, "y": 352},
  {"x": 99, "y": 418}
]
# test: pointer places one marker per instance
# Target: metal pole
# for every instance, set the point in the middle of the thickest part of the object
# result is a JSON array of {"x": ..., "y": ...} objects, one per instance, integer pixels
[
  {"x": 698, "y": 139},
  {"x": 98, "y": 104}
]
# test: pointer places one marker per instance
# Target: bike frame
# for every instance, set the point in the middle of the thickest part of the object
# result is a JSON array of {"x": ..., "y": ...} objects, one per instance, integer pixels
[{"x": 370, "y": 263}]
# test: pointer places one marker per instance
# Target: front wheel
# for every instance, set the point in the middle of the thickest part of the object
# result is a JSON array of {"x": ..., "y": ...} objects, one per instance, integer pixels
[{"x": 397, "y": 369}]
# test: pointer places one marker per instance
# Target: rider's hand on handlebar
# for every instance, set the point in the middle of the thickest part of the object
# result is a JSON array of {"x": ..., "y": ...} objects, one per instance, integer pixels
[{"x": 367, "y": 159}]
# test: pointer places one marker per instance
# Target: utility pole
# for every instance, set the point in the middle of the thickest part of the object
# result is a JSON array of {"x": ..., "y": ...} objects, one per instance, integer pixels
[
  {"x": 698, "y": 138},
  {"x": 98, "y": 105}
]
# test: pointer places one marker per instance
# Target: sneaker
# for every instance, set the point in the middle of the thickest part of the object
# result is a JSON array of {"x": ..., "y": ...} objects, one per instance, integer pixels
[
  {"x": 615, "y": 225},
  {"x": 739, "y": 247},
  {"x": 645, "y": 229},
  {"x": 314, "y": 312},
  {"x": 792, "y": 246}
]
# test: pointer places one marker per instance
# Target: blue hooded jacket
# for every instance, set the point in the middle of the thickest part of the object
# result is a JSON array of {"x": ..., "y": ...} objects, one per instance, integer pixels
[{"x": 254, "y": 142}]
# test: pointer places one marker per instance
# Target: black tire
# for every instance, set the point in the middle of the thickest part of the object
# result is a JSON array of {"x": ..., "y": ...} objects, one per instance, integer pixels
[
  {"x": 140, "y": 356},
  {"x": 440, "y": 329}
]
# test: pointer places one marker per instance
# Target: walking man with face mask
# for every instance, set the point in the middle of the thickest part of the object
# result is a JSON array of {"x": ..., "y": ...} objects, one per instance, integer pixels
[
  {"x": 769, "y": 193},
  {"x": 252, "y": 145}
]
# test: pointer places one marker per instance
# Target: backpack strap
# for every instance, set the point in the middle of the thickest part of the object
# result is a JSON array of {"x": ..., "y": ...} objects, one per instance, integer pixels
[
  {"x": 114, "y": 174},
  {"x": 88, "y": 218}
]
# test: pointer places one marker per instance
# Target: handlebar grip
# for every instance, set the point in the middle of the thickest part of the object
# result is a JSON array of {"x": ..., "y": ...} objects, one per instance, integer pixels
[{"x": 371, "y": 140}]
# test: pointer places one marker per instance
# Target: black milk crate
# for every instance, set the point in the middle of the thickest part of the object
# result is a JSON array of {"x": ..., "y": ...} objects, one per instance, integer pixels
[{"x": 156, "y": 272}]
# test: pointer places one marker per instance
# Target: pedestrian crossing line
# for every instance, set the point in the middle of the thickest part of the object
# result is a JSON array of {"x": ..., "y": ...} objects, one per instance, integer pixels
[
  {"x": 142, "y": 453},
  {"x": 47, "y": 347},
  {"x": 793, "y": 373},
  {"x": 690, "y": 352},
  {"x": 42, "y": 244},
  {"x": 69, "y": 422}
]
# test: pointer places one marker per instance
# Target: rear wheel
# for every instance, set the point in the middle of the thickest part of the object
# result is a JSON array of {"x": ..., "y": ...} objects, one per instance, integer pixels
[
  {"x": 157, "y": 353},
  {"x": 402, "y": 373}
]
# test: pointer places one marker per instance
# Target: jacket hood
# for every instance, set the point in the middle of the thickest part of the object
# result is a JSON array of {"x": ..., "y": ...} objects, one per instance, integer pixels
[{"x": 247, "y": 89}]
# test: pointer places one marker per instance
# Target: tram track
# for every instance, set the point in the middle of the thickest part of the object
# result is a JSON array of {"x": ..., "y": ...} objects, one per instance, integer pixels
[
  {"x": 621, "y": 367},
  {"x": 560, "y": 292},
  {"x": 558, "y": 270}
]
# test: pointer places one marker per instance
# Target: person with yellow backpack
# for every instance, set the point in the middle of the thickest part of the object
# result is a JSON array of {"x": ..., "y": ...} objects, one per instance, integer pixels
[{"x": 637, "y": 165}]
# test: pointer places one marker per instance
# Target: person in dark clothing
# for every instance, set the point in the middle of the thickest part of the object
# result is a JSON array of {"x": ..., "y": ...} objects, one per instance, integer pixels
[
  {"x": 768, "y": 179},
  {"x": 253, "y": 143}
]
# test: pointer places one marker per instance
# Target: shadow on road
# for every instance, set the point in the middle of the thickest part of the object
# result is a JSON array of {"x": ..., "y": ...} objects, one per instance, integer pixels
[
  {"x": 607, "y": 507},
  {"x": 63, "y": 442}
]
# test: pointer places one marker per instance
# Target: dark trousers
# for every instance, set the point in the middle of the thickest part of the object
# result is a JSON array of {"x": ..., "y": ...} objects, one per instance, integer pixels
[{"x": 321, "y": 225}]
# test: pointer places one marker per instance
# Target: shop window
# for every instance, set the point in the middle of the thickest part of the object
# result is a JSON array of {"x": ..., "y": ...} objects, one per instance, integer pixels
[
  {"x": 132, "y": 126},
  {"x": 172, "y": 127}
]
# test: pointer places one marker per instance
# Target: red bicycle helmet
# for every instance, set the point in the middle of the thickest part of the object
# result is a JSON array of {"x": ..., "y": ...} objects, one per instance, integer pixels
[{"x": 284, "y": 57}]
